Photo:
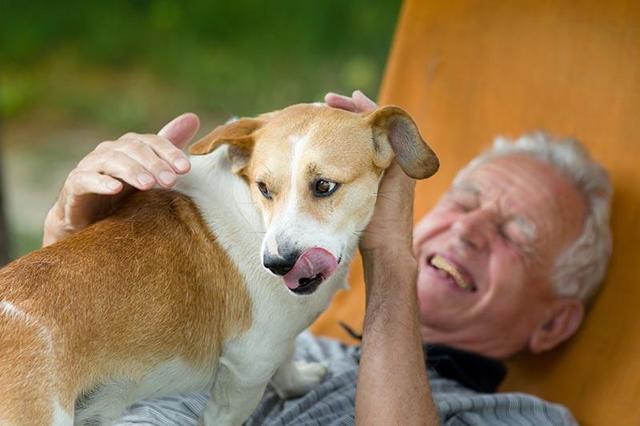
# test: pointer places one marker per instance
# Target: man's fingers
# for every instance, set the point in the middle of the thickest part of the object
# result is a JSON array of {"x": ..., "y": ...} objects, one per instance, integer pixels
[
  {"x": 87, "y": 182},
  {"x": 119, "y": 165},
  {"x": 181, "y": 129},
  {"x": 156, "y": 154},
  {"x": 362, "y": 102},
  {"x": 358, "y": 102},
  {"x": 339, "y": 101},
  {"x": 149, "y": 159}
]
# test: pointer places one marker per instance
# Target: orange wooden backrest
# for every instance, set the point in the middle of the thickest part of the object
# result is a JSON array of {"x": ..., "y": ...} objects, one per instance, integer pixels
[{"x": 470, "y": 70}]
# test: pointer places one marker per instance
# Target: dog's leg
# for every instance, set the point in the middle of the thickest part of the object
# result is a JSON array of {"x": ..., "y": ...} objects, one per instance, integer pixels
[
  {"x": 235, "y": 394},
  {"x": 297, "y": 378}
]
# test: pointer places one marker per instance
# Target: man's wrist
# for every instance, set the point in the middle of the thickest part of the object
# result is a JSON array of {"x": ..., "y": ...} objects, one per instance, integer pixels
[
  {"x": 393, "y": 263},
  {"x": 389, "y": 255},
  {"x": 390, "y": 276}
]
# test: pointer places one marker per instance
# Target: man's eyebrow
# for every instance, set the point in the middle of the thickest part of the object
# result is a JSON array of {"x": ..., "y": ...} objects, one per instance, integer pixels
[{"x": 466, "y": 187}]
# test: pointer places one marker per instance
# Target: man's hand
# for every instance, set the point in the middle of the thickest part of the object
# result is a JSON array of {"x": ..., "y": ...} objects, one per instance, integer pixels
[
  {"x": 390, "y": 228},
  {"x": 114, "y": 169}
]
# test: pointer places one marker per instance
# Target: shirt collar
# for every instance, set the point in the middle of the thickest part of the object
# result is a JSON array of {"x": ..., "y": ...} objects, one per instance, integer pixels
[
  {"x": 475, "y": 371},
  {"x": 472, "y": 370}
]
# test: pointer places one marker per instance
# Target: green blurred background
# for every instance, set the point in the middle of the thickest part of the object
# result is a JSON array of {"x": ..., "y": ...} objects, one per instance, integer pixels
[{"x": 75, "y": 73}]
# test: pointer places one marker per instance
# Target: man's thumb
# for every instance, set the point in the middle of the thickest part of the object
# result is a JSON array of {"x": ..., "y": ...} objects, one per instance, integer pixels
[{"x": 181, "y": 129}]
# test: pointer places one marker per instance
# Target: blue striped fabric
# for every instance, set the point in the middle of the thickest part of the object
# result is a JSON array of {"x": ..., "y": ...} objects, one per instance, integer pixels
[{"x": 332, "y": 402}]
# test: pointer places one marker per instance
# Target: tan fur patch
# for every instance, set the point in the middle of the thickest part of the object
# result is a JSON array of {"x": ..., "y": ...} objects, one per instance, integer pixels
[{"x": 138, "y": 288}]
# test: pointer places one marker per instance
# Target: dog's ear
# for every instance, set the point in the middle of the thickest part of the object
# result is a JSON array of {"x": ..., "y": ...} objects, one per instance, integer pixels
[
  {"x": 396, "y": 134},
  {"x": 238, "y": 135}
]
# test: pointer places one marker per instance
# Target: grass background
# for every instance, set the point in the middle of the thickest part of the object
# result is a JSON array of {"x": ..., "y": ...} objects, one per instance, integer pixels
[{"x": 75, "y": 73}]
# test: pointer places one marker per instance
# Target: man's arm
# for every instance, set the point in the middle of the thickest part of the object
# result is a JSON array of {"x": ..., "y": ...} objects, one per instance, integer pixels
[
  {"x": 392, "y": 380},
  {"x": 392, "y": 383}
]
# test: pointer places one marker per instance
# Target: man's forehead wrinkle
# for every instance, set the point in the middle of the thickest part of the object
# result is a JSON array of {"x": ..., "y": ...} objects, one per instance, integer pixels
[
  {"x": 465, "y": 186},
  {"x": 494, "y": 179},
  {"x": 538, "y": 192},
  {"x": 511, "y": 202}
]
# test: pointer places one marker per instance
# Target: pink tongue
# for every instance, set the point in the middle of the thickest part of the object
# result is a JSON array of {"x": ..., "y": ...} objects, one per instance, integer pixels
[{"x": 311, "y": 263}]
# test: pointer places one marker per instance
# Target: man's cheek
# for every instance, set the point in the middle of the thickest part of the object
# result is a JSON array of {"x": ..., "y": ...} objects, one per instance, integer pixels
[{"x": 428, "y": 227}]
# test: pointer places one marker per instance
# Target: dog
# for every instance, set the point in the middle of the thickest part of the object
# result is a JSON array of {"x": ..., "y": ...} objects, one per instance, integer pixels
[{"x": 204, "y": 287}]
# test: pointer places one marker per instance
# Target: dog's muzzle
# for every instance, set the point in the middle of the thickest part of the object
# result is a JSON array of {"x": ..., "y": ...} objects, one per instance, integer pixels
[{"x": 303, "y": 274}]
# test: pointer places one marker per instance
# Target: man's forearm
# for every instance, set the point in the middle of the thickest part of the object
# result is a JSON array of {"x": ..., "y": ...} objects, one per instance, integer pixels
[{"x": 392, "y": 382}]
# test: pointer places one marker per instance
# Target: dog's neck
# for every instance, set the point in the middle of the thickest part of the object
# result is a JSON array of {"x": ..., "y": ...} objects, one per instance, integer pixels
[{"x": 226, "y": 206}]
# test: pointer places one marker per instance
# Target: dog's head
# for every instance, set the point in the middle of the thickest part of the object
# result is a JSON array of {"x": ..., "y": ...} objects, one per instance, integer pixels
[{"x": 314, "y": 173}]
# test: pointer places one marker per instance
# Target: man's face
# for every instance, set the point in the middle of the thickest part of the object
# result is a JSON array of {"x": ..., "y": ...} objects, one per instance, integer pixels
[{"x": 487, "y": 250}]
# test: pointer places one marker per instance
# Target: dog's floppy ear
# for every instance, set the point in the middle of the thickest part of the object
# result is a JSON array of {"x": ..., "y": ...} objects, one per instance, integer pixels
[
  {"x": 238, "y": 135},
  {"x": 396, "y": 134}
]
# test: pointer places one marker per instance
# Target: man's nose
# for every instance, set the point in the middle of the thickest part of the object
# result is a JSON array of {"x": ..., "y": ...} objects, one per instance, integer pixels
[
  {"x": 279, "y": 265},
  {"x": 474, "y": 227}
]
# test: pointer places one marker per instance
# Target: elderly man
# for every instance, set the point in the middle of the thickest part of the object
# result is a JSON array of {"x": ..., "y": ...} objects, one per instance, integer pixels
[{"x": 505, "y": 262}]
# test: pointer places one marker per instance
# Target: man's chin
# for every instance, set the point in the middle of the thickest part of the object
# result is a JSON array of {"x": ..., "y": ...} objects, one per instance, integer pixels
[{"x": 436, "y": 310}]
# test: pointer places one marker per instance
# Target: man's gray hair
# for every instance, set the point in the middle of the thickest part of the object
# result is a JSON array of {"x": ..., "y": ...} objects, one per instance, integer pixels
[{"x": 581, "y": 268}]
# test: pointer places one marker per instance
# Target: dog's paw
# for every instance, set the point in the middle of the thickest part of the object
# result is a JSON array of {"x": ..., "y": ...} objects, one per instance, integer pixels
[
  {"x": 311, "y": 374},
  {"x": 298, "y": 379}
]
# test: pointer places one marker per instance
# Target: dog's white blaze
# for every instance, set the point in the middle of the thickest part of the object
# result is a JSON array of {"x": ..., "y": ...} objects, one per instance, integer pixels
[
  {"x": 298, "y": 145},
  {"x": 290, "y": 217},
  {"x": 295, "y": 226}
]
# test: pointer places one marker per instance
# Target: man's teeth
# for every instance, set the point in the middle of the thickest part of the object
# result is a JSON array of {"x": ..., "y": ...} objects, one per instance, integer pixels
[{"x": 443, "y": 264}]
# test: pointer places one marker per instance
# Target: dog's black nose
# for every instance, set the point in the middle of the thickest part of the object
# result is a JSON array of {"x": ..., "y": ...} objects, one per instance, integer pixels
[{"x": 279, "y": 265}]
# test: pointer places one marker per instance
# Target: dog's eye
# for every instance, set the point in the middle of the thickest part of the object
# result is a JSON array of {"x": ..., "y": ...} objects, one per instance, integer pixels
[
  {"x": 264, "y": 190},
  {"x": 324, "y": 188}
]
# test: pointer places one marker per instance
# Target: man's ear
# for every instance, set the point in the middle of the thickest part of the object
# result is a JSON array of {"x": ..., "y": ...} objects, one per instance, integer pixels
[
  {"x": 237, "y": 134},
  {"x": 396, "y": 134},
  {"x": 562, "y": 322}
]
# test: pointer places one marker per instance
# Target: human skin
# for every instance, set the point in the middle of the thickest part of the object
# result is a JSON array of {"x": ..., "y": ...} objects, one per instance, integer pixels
[{"x": 504, "y": 224}]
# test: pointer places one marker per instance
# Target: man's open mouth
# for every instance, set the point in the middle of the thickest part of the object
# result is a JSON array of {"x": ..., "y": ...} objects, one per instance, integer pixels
[
  {"x": 311, "y": 269},
  {"x": 455, "y": 273}
]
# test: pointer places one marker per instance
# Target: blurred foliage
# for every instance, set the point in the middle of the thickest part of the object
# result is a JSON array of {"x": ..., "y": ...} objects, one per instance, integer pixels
[
  {"x": 128, "y": 63},
  {"x": 75, "y": 72}
]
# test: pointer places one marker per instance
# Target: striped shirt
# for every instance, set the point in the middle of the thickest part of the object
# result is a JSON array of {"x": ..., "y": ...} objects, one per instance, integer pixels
[{"x": 463, "y": 395}]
